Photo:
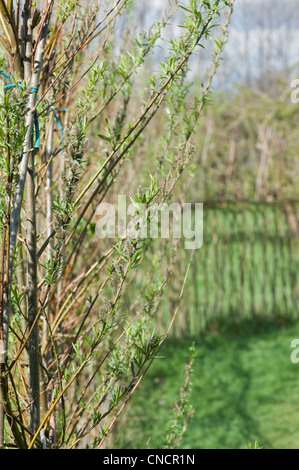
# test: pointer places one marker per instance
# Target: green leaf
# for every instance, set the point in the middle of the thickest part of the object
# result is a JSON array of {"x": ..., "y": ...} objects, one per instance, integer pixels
[{"x": 105, "y": 137}]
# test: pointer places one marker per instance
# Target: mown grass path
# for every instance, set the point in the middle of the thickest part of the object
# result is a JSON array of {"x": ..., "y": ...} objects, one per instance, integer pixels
[{"x": 245, "y": 389}]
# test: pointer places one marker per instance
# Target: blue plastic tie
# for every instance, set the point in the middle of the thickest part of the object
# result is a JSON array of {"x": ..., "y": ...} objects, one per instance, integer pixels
[
  {"x": 5, "y": 75},
  {"x": 60, "y": 130},
  {"x": 9, "y": 87},
  {"x": 36, "y": 123}
]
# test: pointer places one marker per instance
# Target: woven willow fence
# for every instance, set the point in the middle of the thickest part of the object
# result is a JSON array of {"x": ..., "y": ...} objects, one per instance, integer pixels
[{"x": 248, "y": 266}]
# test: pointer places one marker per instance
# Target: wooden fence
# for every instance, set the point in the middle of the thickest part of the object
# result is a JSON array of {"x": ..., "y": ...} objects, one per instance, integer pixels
[{"x": 248, "y": 266}]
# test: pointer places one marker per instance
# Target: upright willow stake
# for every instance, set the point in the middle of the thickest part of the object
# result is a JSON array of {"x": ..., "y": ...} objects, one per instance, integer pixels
[
  {"x": 32, "y": 296},
  {"x": 49, "y": 216},
  {"x": 27, "y": 163},
  {"x": 17, "y": 205},
  {"x": 34, "y": 380}
]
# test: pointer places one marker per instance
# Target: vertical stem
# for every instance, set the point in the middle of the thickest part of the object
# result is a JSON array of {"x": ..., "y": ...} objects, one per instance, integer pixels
[
  {"x": 34, "y": 378},
  {"x": 18, "y": 199},
  {"x": 2, "y": 340},
  {"x": 49, "y": 216},
  {"x": 62, "y": 173},
  {"x": 32, "y": 297},
  {"x": 2, "y": 416},
  {"x": 27, "y": 158},
  {"x": 3, "y": 282},
  {"x": 49, "y": 219}
]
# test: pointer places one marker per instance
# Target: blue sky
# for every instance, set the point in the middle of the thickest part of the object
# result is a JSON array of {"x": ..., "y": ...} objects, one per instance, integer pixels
[{"x": 264, "y": 38}]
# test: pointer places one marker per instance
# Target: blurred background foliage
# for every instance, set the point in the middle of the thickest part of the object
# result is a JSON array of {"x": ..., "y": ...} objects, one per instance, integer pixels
[{"x": 241, "y": 300}]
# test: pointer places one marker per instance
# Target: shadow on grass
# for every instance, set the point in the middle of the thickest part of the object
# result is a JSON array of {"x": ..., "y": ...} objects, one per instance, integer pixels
[
  {"x": 244, "y": 387},
  {"x": 245, "y": 327}
]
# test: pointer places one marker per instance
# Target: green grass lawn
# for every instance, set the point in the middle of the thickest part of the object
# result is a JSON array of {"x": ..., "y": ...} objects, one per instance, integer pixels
[{"x": 245, "y": 389}]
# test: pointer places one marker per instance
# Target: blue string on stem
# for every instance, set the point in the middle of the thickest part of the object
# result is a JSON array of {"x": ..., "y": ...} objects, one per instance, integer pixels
[{"x": 36, "y": 124}]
